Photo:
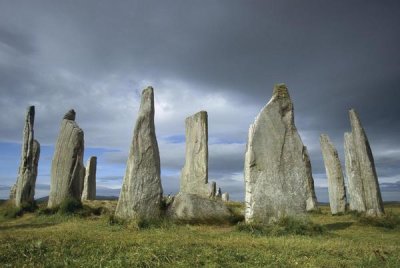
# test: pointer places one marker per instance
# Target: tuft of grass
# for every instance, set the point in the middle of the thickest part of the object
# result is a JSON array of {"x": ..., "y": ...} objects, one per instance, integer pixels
[
  {"x": 70, "y": 206},
  {"x": 10, "y": 211},
  {"x": 29, "y": 206},
  {"x": 46, "y": 211},
  {"x": 237, "y": 211},
  {"x": 316, "y": 211},
  {"x": 284, "y": 226},
  {"x": 388, "y": 220},
  {"x": 140, "y": 224}
]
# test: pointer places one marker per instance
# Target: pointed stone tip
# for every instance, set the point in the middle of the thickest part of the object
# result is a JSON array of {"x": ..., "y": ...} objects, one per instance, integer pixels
[
  {"x": 70, "y": 115},
  {"x": 201, "y": 114},
  {"x": 148, "y": 89},
  {"x": 30, "y": 111},
  {"x": 323, "y": 136},
  {"x": 354, "y": 118},
  {"x": 352, "y": 111},
  {"x": 281, "y": 91}
]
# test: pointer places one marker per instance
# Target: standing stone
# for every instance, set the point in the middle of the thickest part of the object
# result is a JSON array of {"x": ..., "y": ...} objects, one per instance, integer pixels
[
  {"x": 212, "y": 189},
  {"x": 356, "y": 193},
  {"x": 26, "y": 181},
  {"x": 219, "y": 193},
  {"x": 89, "y": 183},
  {"x": 277, "y": 168},
  {"x": 225, "y": 197},
  {"x": 194, "y": 177},
  {"x": 336, "y": 187},
  {"x": 141, "y": 192},
  {"x": 365, "y": 195},
  {"x": 191, "y": 208},
  {"x": 67, "y": 169},
  {"x": 13, "y": 191}
]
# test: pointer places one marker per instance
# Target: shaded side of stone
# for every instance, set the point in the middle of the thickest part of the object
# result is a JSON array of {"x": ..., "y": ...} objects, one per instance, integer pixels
[
  {"x": 334, "y": 173},
  {"x": 141, "y": 192}
]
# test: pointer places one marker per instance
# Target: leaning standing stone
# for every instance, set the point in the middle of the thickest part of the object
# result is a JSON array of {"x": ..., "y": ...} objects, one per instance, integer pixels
[
  {"x": 364, "y": 191},
  {"x": 277, "y": 170},
  {"x": 89, "y": 183},
  {"x": 336, "y": 187},
  {"x": 141, "y": 192},
  {"x": 25, "y": 186},
  {"x": 67, "y": 170}
]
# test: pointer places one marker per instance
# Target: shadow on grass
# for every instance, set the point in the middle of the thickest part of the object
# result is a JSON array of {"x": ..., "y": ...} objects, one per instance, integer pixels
[
  {"x": 27, "y": 225},
  {"x": 338, "y": 226}
]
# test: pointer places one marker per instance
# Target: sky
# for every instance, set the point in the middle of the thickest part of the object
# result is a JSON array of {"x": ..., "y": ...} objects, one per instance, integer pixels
[{"x": 224, "y": 56}]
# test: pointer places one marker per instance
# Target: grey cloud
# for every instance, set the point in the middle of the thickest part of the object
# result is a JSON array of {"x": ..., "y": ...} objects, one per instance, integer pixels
[{"x": 219, "y": 56}]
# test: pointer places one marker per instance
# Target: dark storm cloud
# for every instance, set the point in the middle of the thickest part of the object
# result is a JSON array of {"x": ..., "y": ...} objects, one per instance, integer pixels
[{"x": 221, "y": 56}]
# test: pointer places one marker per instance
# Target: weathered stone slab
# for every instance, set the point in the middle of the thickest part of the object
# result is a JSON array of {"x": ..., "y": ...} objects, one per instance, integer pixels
[
  {"x": 13, "y": 191},
  {"x": 219, "y": 193},
  {"x": 336, "y": 186},
  {"x": 89, "y": 182},
  {"x": 67, "y": 169},
  {"x": 225, "y": 197},
  {"x": 193, "y": 208},
  {"x": 355, "y": 188},
  {"x": 141, "y": 192},
  {"x": 277, "y": 168},
  {"x": 212, "y": 189},
  {"x": 194, "y": 177},
  {"x": 26, "y": 181},
  {"x": 364, "y": 191}
]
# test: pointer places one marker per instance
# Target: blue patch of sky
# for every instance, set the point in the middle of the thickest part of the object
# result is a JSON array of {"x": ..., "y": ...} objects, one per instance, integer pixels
[
  {"x": 10, "y": 159},
  {"x": 215, "y": 140},
  {"x": 174, "y": 139}
]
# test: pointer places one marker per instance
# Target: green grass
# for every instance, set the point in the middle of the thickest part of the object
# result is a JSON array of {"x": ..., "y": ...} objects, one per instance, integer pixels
[{"x": 90, "y": 240}]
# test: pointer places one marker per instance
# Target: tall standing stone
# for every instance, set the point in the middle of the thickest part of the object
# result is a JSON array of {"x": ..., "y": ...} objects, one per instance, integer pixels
[
  {"x": 336, "y": 186},
  {"x": 364, "y": 191},
  {"x": 25, "y": 186},
  {"x": 277, "y": 168},
  {"x": 67, "y": 169},
  {"x": 194, "y": 177},
  {"x": 355, "y": 188},
  {"x": 89, "y": 182},
  {"x": 141, "y": 192}
]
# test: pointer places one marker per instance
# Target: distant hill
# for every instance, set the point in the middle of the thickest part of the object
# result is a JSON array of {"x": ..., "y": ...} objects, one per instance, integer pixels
[{"x": 99, "y": 197}]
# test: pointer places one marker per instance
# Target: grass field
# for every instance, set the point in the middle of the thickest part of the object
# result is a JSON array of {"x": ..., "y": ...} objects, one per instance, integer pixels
[{"x": 34, "y": 240}]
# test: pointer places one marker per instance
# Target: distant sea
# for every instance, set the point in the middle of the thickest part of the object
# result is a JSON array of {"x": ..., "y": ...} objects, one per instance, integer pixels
[{"x": 323, "y": 196}]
